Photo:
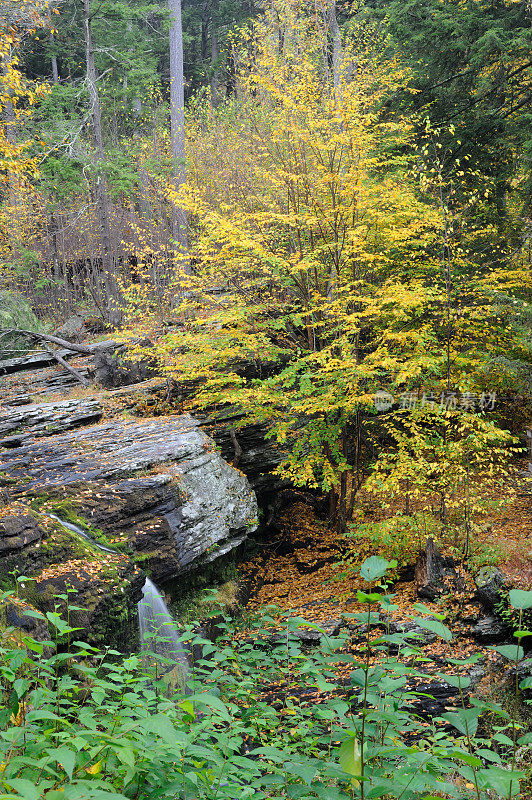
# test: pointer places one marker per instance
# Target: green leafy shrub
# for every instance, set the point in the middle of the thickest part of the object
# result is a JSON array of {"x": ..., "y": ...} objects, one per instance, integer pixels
[
  {"x": 400, "y": 537},
  {"x": 262, "y": 718},
  {"x": 15, "y": 312}
]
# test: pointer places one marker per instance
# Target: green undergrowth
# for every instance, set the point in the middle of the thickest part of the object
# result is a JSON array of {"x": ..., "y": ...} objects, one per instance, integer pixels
[
  {"x": 261, "y": 716},
  {"x": 214, "y": 588}
]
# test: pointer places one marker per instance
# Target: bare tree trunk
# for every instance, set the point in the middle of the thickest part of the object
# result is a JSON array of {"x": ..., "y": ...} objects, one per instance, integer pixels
[
  {"x": 100, "y": 190},
  {"x": 215, "y": 67},
  {"x": 143, "y": 190},
  {"x": 336, "y": 43},
  {"x": 142, "y": 194},
  {"x": 10, "y": 120},
  {"x": 53, "y": 58},
  {"x": 10, "y": 130},
  {"x": 177, "y": 127},
  {"x": 55, "y": 70}
]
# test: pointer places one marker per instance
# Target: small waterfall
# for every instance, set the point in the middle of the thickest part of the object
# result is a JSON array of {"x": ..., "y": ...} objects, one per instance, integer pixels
[{"x": 159, "y": 634}]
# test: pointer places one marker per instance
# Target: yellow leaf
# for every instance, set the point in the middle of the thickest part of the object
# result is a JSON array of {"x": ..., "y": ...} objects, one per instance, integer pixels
[{"x": 94, "y": 769}]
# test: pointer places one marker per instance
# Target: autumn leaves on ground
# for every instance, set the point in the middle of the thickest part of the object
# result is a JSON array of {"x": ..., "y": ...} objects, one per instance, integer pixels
[{"x": 307, "y": 569}]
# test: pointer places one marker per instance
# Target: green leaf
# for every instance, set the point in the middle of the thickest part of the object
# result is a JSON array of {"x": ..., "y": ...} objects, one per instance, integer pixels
[
  {"x": 458, "y": 681},
  {"x": 302, "y": 770},
  {"x": 161, "y": 726},
  {"x": 465, "y": 720},
  {"x": 458, "y": 662},
  {"x": 502, "y": 738},
  {"x": 31, "y": 644},
  {"x": 423, "y": 609},
  {"x": 59, "y": 623},
  {"x": 489, "y": 755},
  {"x": 212, "y": 702},
  {"x": 20, "y": 687},
  {"x": 29, "y": 612},
  {"x": 363, "y": 597},
  {"x": 126, "y": 755},
  {"x": 25, "y": 788},
  {"x": 33, "y": 716},
  {"x": 66, "y": 758},
  {"x": 349, "y": 756},
  {"x": 435, "y": 626},
  {"x": 486, "y": 705},
  {"x": 375, "y": 567},
  {"x": 467, "y": 758},
  {"x": 187, "y": 707},
  {"x": 520, "y": 599},
  {"x": 510, "y": 651},
  {"x": 270, "y": 753},
  {"x": 501, "y": 781}
]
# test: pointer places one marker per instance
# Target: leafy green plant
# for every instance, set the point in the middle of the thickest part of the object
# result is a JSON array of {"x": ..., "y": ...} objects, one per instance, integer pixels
[
  {"x": 515, "y": 616},
  {"x": 261, "y": 717},
  {"x": 400, "y": 537}
]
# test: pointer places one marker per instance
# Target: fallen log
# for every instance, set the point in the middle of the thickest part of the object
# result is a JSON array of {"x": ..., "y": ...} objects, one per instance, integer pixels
[
  {"x": 78, "y": 376},
  {"x": 45, "y": 337}
]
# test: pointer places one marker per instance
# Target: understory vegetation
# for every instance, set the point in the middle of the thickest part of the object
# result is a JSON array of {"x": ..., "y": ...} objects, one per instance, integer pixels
[
  {"x": 261, "y": 715},
  {"x": 311, "y": 219}
]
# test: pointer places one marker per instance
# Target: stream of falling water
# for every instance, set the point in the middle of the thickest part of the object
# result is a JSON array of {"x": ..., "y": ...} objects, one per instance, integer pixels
[{"x": 158, "y": 632}]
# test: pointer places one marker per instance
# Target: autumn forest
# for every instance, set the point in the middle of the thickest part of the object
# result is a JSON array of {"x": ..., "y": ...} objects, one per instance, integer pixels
[{"x": 266, "y": 399}]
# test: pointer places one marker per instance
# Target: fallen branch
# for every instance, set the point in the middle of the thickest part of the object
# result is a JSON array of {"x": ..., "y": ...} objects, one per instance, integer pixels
[
  {"x": 44, "y": 337},
  {"x": 78, "y": 376}
]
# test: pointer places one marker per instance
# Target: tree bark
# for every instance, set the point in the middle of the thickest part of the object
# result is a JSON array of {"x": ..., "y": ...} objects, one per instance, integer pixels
[
  {"x": 336, "y": 44},
  {"x": 177, "y": 128},
  {"x": 9, "y": 109},
  {"x": 44, "y": 337},
  {"x": 10, "y": 129},
  {"x": 215, "y": 67},
  {"x": 53, "y": 59},
  {"x": 101, "y": 194},
  {"x": 55, "y": 70}
]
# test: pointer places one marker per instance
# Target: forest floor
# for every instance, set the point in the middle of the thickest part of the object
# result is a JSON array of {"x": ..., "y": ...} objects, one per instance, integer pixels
[
  {"x": 309, "y": 571},
  {"x": 309, "y": 567}
]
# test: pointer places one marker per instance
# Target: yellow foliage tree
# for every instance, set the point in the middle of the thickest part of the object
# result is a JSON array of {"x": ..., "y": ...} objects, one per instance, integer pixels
[
  {"x": 19, "y": 208},
  {"x": 315, "y": 256}
]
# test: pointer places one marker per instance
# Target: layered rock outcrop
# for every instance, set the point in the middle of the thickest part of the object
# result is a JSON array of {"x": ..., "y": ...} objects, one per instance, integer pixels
[
  {"x": 156, "y": 490},
  {"x": 45, "y": 419},
  {"x": 195, "y": 508}
]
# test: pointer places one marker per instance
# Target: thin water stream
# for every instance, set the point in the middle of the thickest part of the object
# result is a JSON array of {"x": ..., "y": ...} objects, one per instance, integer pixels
[{"x": 76, "y": 529}]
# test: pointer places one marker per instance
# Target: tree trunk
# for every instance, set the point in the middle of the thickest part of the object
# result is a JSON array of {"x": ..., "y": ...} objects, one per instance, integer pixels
[
  {"x": 215, "y": 68},
  {"x": 142, "y": 194},
  {"x": 336, "y": 44},
  {"x": 10, "y": 131},
  {"x": 55, "y": 70},
  {"x": 177, "y": 128},
  {"x": 9, "y": 109},
  {"x": 53, "y": 59},
  {"x": 101, "y": 194}
]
